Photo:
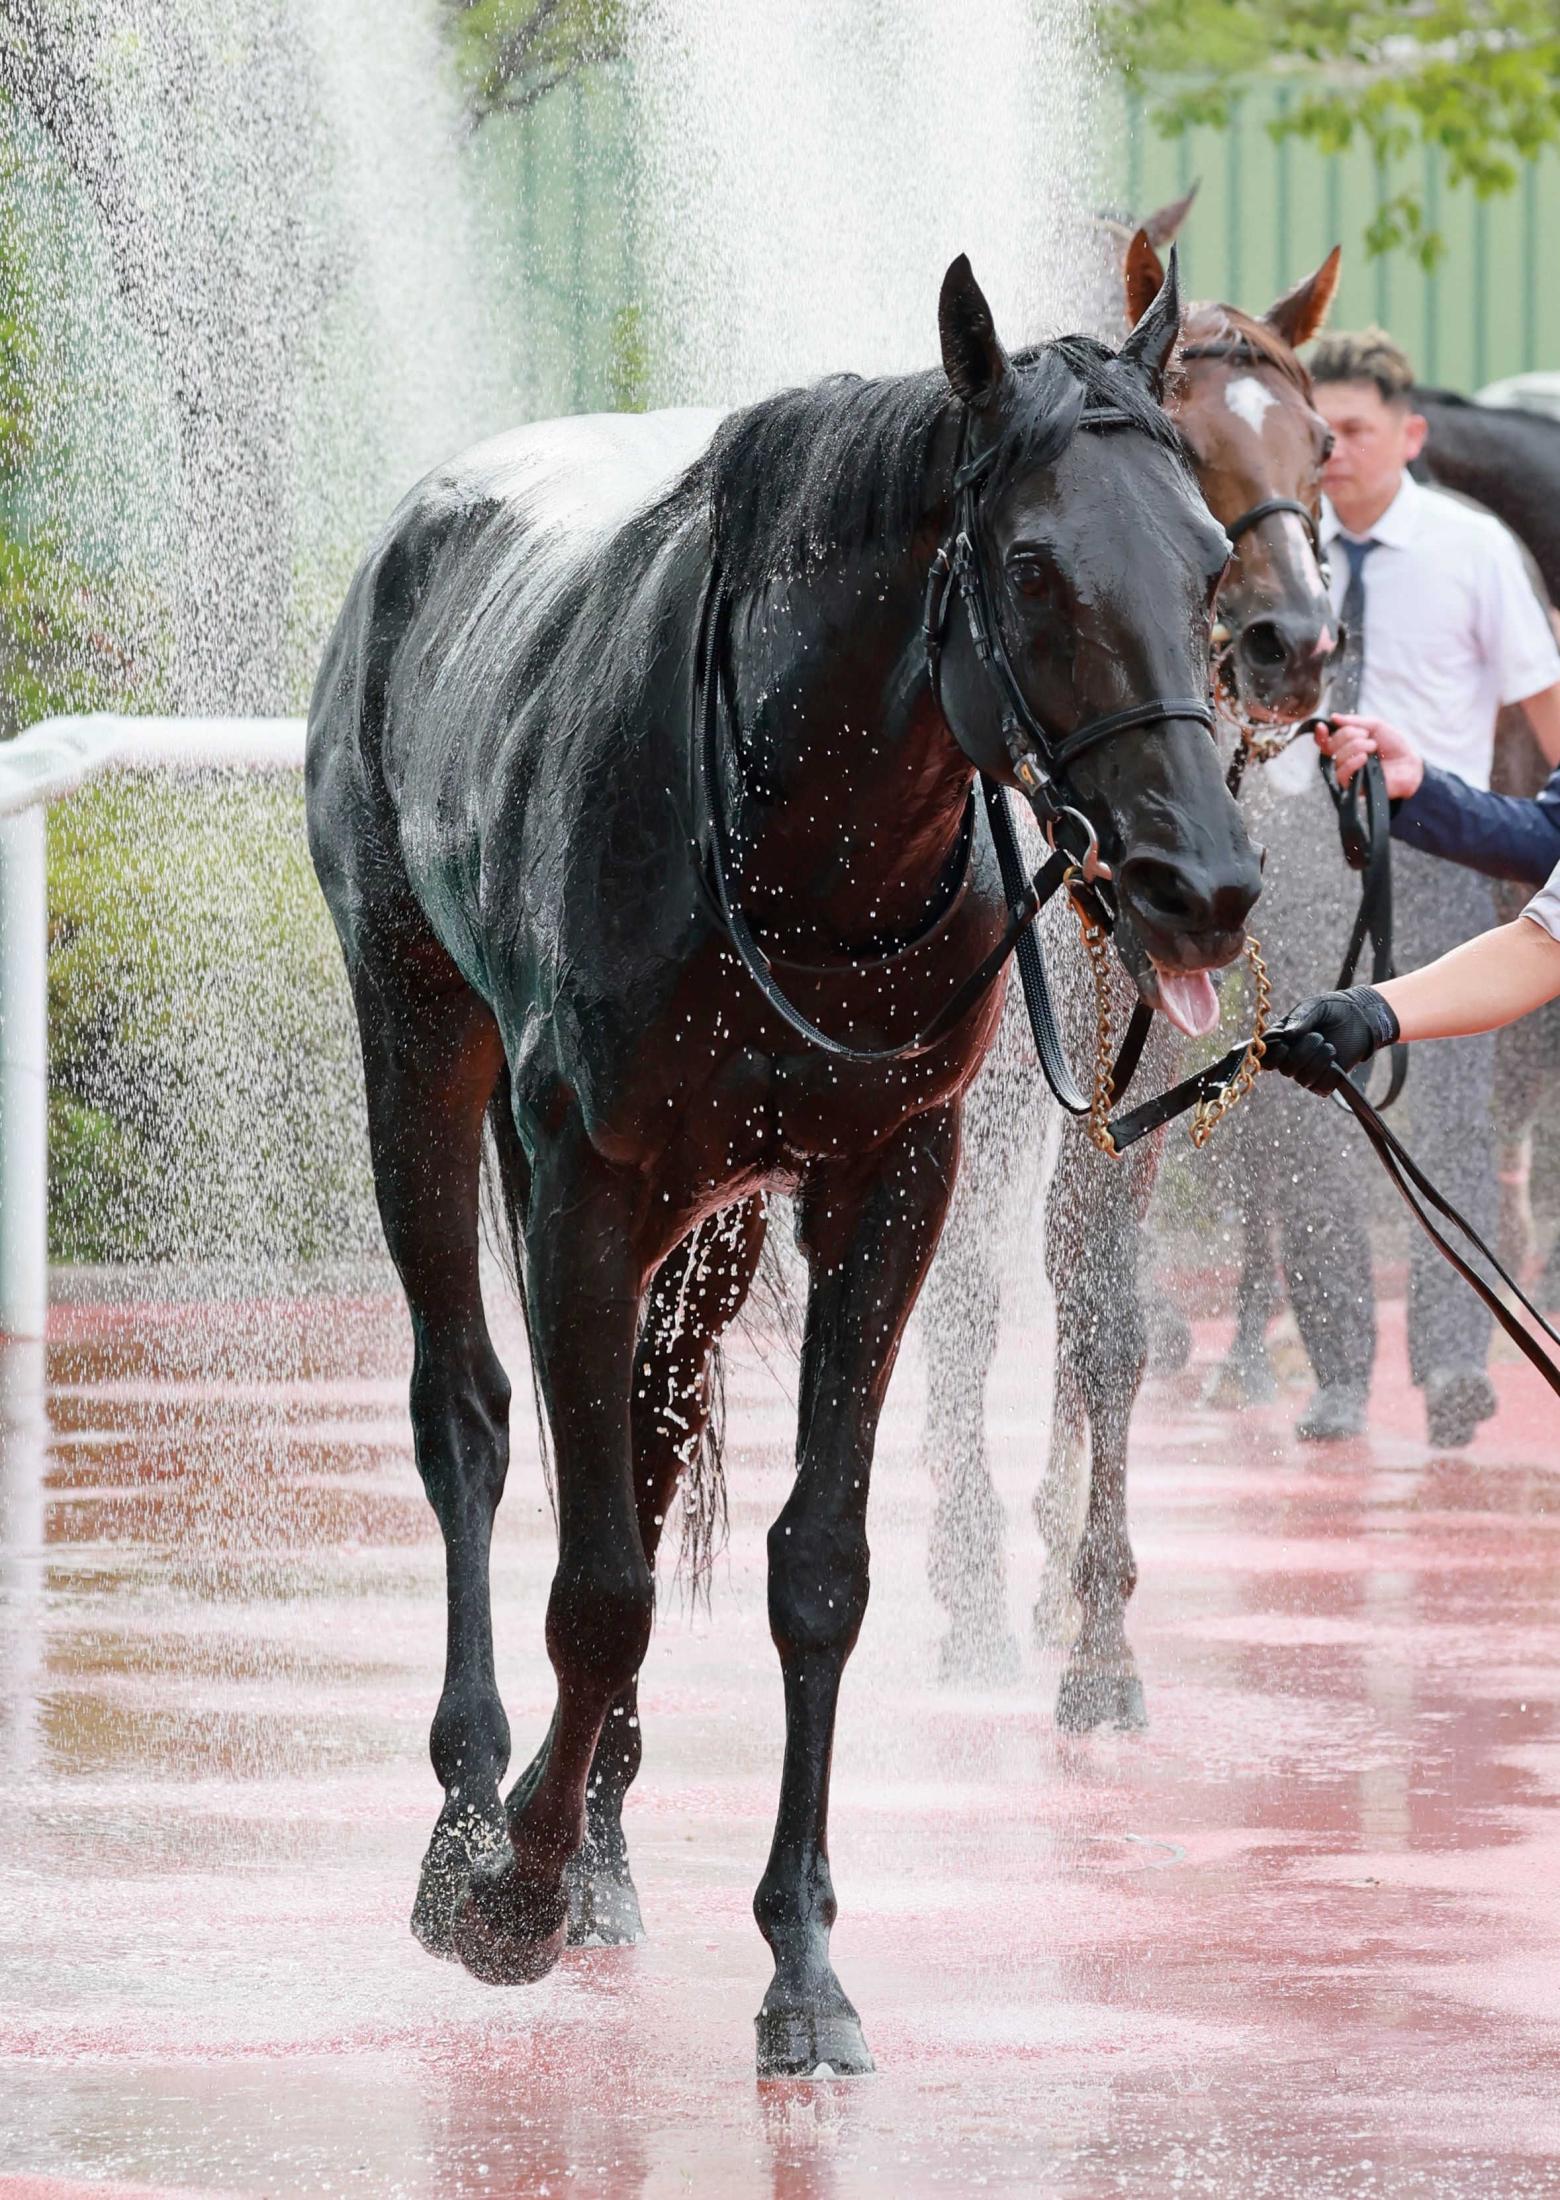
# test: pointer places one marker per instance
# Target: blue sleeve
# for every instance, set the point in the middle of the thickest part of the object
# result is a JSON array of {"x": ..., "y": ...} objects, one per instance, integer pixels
[{"x": 1504, "y": 835}]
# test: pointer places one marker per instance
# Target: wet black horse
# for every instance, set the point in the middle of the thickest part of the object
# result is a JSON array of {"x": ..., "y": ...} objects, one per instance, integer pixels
[{"x": 515, "y": 830}]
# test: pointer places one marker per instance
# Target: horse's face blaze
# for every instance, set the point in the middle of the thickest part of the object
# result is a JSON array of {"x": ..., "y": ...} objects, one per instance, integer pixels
[{"x": 1108, "y": 564}]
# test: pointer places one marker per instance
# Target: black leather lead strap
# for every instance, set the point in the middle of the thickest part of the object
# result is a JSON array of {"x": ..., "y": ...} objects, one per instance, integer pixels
[{"x": 1367, "y": 848}]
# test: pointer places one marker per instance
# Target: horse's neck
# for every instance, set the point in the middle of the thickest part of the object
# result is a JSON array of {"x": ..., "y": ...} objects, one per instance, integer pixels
[{"x": 854, "y": 791}]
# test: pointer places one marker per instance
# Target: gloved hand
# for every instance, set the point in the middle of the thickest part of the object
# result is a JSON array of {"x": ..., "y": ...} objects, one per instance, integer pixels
[{"x": 1322, "y": 1040}]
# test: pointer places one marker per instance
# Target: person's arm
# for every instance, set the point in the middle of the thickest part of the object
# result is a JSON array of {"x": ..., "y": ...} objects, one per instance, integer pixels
[
  {"x": 1505, "y": 836},
  {"x": 1483, "y": 985}
]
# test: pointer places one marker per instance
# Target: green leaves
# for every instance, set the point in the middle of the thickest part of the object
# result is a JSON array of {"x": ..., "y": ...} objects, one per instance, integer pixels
[
  {"x": 511, "y": 53},
  {"x": 1479, "y": 80}
]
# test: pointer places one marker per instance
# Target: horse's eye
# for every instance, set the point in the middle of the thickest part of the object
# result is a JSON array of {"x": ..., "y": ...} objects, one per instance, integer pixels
[
  {"x": 1031, "y": 574},
  {"x": 1329, "y": 445}
]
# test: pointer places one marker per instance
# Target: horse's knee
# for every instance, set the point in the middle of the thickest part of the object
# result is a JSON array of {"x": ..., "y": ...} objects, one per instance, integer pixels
[
  {"x": 819, "y": 1578},
  {"x": 1110, "y": 1351},
  {"x": 599, "y": 1614},
  {"x": 460, "y": 1422}
]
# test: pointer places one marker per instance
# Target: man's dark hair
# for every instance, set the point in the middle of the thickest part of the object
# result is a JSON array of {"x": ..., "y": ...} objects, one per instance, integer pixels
[{"x": 1366, "y": 355}]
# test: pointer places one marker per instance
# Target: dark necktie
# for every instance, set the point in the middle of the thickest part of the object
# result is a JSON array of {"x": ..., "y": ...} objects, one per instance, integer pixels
[{"x": 1349, "y": 672}]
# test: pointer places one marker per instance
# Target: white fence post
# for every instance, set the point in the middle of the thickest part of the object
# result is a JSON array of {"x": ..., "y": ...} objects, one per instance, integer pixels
[
  {"x": 38, "y": 767},
  {"x": 24, "y": 1075}
]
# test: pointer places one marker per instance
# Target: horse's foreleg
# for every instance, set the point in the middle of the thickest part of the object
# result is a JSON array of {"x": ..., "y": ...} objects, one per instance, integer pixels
[
  {"x": 431, "y": 1058},
  {"x": 584, "y": 1284},
  {"x": 868, "y": 1230},
  {"x": 1103, "y": 1336},
  {"x": 698, "y": 1290}
]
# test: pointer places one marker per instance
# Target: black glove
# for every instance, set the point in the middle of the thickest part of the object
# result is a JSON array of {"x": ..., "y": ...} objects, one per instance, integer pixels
[{"x": 1322, "y": 1040}]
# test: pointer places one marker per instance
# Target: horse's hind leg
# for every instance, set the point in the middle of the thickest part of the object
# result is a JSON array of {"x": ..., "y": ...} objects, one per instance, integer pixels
[
  {"x": 585, "y": 1274},
  {"x": 431, "y": 1057},
  {"x": 868, "y": 1230},
  {"x": 698, "y": 1290}
]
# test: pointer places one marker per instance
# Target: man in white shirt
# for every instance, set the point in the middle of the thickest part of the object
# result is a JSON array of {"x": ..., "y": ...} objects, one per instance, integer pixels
[{"x": 1443, "y": 628}]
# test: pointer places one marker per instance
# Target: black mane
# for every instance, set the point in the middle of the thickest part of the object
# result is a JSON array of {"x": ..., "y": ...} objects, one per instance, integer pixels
[{"x": 818, "y": 473}]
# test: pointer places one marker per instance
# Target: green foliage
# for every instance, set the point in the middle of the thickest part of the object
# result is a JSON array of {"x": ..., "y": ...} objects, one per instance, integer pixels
[
  {"x": 628, "y": 375},
  {"x": 1477, "y": 79},
  {"x": 59, "y": 626},
  {"x": 511, "y": 53},
  {"x": 205, "y": 1090}
]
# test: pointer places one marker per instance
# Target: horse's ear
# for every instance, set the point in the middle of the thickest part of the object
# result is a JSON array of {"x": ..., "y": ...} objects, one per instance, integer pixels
[
  {"x": 1148, "y": 348},
  {"x": 1163, "y": 226},
  {"x": 1301, "y": 313},
  {"x": 1143, "y": 273},
  {"x": 973, "y": 358}
]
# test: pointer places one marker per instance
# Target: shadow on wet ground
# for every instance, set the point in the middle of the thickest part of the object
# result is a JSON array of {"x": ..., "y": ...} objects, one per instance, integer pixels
[{"x": 1303, "y": 1937}]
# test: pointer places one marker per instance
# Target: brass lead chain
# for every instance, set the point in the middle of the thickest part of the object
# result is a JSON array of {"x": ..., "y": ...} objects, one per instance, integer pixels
[
  {"x": 1097, "y": 947},
  {"x": 1208, "y": 1114}
]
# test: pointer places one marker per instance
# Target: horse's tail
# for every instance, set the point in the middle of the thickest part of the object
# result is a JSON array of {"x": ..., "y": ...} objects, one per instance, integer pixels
[
  {"x": 697, "y": 1263},
  {"x": 506, "y": 1186}
]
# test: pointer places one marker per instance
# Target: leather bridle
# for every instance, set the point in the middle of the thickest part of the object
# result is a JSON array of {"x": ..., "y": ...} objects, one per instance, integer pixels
[
  {"x": 1041, "y": 760},
  {"x": 1041, "y": 763}
]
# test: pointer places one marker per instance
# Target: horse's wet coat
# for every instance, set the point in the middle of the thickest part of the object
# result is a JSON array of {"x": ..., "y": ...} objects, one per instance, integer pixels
[{"x": 509, "y": 825}]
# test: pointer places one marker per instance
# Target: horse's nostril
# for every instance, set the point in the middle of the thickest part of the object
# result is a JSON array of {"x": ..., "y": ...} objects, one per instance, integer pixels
[
  {"x": 1165, "y": 893},
  {"x": 1265, "y": 644},
  {"x": 1176, "y": 898}
]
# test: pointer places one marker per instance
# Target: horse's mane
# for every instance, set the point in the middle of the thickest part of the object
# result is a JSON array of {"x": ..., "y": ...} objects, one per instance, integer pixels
[
  {"x": 839, "y": 467},
  {"x": 1224, "y": 332}
]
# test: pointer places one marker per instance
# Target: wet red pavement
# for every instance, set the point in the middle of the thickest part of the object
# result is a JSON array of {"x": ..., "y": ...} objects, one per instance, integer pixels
[{"x": 1303, "y": 1938}]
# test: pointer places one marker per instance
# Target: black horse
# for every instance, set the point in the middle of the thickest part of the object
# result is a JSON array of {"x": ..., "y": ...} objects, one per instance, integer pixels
[{"x": 518, "y": 824}]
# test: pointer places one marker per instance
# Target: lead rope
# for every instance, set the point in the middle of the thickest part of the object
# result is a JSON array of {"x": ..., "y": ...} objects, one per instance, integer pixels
[{"x": 1210, "y": 1110}]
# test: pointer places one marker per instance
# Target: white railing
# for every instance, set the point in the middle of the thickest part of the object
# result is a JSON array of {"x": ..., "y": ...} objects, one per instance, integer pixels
[{"x": 48, "y": 761}]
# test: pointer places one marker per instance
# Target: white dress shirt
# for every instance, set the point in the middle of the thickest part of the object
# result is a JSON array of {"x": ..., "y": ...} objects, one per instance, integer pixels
[{"x": 1453, "y": 629}]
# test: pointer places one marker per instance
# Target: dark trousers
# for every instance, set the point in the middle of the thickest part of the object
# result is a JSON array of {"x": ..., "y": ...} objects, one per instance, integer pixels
[
  {"x": 1448, "y": 1114},
  {"x": 1302, "y": 1167}
]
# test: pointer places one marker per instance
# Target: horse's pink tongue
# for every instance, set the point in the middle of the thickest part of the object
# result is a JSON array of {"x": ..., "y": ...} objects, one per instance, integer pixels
[{"x": 1188, "y": 999}]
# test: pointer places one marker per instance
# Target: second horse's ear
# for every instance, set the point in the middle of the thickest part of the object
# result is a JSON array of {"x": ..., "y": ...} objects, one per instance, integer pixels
[
  {"x": 1143, "y": 273},
  {"x": 973, "y": 358},
  {"x": 1149, "y": 346},
  {"x": 1301, "y": 313}
]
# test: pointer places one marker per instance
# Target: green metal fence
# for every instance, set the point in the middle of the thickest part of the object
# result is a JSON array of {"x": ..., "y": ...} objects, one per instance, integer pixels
[
  {"x": 561, "y": 191},
  {"x": 1268, "y": 209}
]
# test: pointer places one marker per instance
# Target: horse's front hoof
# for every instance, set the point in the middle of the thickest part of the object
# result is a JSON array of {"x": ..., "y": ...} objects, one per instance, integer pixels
[
  {"x": 460, "y": 1845},
  {"x": 1092, "y": 1696},
  {"x": 603, "y": 1907},
  {"x": 804, "y": 2043},
  {"x": 508, "y": 1932}
]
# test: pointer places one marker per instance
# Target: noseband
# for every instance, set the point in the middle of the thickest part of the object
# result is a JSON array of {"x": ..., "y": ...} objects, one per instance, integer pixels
[{"x": 1267, "y": 510}]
